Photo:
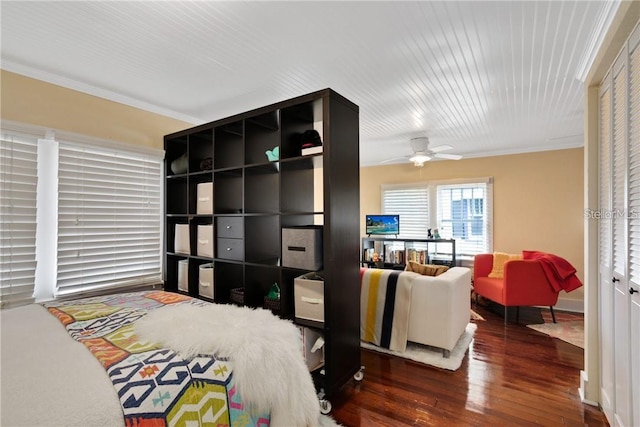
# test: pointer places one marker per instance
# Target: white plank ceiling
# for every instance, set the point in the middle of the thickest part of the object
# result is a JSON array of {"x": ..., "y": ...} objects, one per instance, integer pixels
[{"x": 484, "y": 77}]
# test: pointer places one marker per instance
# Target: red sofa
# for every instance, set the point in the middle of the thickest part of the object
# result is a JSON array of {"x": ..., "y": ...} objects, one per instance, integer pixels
[{"x": 524, "y": 283}]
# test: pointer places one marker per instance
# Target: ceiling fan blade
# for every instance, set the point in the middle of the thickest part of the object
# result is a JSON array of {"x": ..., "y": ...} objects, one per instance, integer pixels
[
  {"x": 448, "y": 156},
  {"x": 439, "y": 148},
  {"x": 394, "y": 159}
]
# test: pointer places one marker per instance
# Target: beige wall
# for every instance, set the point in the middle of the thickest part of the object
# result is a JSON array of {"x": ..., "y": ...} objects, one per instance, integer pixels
[
  {"x": 537, "y": 199},
  {"x": 35, "y": 102}
]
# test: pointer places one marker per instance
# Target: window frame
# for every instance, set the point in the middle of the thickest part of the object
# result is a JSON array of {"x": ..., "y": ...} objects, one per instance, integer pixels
[
  {"x": 432, "y": 217},
  {"x": 45, "y": 287}
]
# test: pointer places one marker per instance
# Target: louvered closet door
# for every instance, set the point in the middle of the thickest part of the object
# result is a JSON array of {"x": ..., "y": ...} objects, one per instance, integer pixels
[
  {"x": 619, "y": 242},
  {"x": 634, "y": 222},
  {"x": 605, "y": 290}
]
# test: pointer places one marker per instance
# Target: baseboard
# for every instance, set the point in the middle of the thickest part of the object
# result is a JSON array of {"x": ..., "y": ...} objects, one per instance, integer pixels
[
  {"x": 571, "y": 305},
  {"x": 582, "y": 390}
]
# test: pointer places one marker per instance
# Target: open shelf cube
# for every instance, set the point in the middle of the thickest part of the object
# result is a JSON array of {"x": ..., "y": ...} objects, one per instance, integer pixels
[{"x": 229, "y": 146}]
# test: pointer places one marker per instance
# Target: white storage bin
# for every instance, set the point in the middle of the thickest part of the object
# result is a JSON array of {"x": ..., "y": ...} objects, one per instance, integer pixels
[
  {"x": 205, "y": 241},
  {"x": 182, "y": 244},
  {"x": 312, "y": 348},
  {"x": 204, "y": 204},
  {"x": 309, "y": 297},
  {"x": 205, "y": 280},
  {"x": 183, "y": 275}
]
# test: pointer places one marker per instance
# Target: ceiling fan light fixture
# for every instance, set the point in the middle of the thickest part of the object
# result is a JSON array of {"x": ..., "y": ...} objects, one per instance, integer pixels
[{"x": 419, "y": 159}]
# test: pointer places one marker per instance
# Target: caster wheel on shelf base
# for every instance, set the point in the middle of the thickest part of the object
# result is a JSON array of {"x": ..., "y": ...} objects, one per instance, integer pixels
[
  {"x": 325, "y": 407},
  {"x": 359, "y": 376}
]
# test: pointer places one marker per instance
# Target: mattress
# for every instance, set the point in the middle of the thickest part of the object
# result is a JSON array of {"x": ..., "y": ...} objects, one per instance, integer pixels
[
  {"x": 91, "y": 362},
  {"x": 43, "y": 388}
]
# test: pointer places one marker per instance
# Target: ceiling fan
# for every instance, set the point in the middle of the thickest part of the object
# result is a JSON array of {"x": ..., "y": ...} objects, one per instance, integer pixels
[{"x": 422, "y": 153}]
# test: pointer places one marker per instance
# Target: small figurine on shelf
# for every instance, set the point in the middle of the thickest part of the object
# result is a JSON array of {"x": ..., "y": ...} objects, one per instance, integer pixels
[
  {"x": 429, "y": 235},
  {"x": 377, "y": 260},
  {"x": 272, "y": 299},
  {"x": 274, "y": 156},
  {"x": 274, "y": 292},
  {"x": 436, "y": 233}
]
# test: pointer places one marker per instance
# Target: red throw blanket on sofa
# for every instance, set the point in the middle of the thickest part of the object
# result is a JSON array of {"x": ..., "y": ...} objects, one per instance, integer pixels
[{"x": 560, "y": 273}]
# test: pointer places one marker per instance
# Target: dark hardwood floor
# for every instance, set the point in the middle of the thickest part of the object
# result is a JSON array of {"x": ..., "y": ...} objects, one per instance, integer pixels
[{"x": 511, "y": 376}]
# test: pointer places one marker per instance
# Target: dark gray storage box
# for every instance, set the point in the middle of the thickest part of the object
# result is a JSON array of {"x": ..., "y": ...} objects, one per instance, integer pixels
[
  {"x": 230, "y": 227},
  {"x": 302, "y": 247},
  {"x": 230, "y": 249}
]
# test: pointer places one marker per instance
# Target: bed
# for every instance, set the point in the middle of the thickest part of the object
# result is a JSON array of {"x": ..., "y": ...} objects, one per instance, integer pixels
[{"x": 152, "y": 358}]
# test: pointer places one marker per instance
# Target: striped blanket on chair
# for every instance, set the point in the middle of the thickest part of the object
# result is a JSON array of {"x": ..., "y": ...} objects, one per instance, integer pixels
[{"x": 385, "y": 301}]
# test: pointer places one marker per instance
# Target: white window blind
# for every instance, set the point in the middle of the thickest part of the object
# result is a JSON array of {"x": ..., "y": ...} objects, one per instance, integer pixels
[
  {"x": 109, "y": 218},
  {"x": 634, "y": 166},
  {"x": 412, "y": 204},
  {"x": 18, "y": 183},
  {"x": 464, "y": 214}
]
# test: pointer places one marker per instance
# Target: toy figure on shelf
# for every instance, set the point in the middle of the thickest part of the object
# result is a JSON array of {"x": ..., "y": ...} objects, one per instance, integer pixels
[
  {"x": 429, "y": 235},
  {"x": 377, "y": 260},
  {"x": 436, "y": 234},
  {"x": 274, "y": 292}
]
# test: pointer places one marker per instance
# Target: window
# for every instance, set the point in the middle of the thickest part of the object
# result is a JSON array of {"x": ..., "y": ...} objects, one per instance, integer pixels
[
  {"x": 461, "y": 210},
  {"x": 412, "y": 204},
  {"x": 98, "y": 222},
  {"x": 18, "y": 182},
  {"x": 108, "y": 218},
  {"x": 464, "y": 215}
]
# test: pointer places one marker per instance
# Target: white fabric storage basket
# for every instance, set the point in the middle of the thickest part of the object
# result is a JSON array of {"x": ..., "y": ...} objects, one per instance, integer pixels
[
  {"x": 182, "y": 242},
  {"x": 204, "y": 204},
  {"x": 183, "y": 275},
  {"x": 205, "y": 241},
  {"x": 312, "y": 348},
  {"x": 309, "y": 297},
  {"x": 205, "y": 282}
]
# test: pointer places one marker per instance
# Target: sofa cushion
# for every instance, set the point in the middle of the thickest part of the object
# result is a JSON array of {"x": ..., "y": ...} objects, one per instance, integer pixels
[
  {"x": 489, "y": 288},
  {"x": 426, "y": 269},
  {"x": 499, "y": 258}
]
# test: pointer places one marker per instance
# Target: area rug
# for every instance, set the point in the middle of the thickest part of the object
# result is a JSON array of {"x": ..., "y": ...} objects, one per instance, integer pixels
[
  {"x": 571, "y": 332},
  {"x": 476, "y": 316},
  {"x": 430, "y": 355}
]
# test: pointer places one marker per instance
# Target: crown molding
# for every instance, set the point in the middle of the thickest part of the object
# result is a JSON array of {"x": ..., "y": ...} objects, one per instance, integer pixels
[{"x": 89, "y": 89}]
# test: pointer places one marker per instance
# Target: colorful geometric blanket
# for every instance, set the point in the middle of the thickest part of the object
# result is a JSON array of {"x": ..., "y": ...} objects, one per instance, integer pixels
[
  {"x": 156, "y": 386},
  {"x": 385, "y": 301}
]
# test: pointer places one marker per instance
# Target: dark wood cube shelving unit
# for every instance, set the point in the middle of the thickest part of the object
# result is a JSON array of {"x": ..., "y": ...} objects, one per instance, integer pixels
[{"x": 319, "y": 189}]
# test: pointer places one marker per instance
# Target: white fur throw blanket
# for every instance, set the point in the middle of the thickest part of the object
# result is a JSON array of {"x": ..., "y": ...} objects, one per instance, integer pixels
[{"x": 265, "y": 351}]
